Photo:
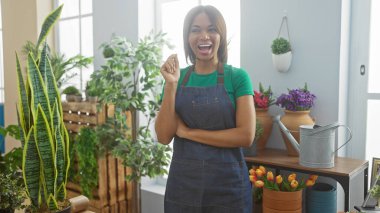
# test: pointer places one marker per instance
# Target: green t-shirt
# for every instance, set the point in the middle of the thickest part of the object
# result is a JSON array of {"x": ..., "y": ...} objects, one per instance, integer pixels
[{"x": 236, "y": 81}]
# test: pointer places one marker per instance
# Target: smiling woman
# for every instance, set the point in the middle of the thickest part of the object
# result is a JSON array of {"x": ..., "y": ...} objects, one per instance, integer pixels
[{"x": 208, "y": 109}]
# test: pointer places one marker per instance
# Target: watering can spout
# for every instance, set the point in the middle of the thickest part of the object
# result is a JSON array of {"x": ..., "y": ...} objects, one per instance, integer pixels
[{"x": 285, "y": 130}]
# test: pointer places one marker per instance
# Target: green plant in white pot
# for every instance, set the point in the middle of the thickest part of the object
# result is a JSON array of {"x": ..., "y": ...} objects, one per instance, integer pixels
[
  {"x": 281, "y": 54},
  {"x": 45, "y": 140}
]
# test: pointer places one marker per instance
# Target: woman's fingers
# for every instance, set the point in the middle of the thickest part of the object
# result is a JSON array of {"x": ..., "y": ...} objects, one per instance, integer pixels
[{"x": 171, "y": 63}]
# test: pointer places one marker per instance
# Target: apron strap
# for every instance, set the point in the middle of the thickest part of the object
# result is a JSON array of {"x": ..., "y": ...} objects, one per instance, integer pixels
[{"x": 191, "y": 69}]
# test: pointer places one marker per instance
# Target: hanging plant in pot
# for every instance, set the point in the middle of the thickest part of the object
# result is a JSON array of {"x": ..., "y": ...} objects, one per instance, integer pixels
[
  {"x": 281, "y": 54},
  {"x": 44, "y": 138}
]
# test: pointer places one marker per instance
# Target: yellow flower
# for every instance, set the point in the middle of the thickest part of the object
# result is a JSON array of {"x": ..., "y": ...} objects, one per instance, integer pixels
[
  {"x": 252, "y": 171},
  {"x": 270, "y": 176},
  {"x": 278, "y": 179},
  {"x": 259, "y": 173},
  {"x": 252, "y": 178},
  {"x": 262, "y": 168},
  {"x": 259, "y": 184},
  {"x": 294, "y": 184},
  {"x": 310, "y": 182},
  {"x": 292, "y": 177},
  {"x": 313, "y": 177}
]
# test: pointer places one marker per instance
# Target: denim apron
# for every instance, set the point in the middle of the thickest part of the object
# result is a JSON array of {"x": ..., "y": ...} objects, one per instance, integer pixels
[{"x": 204, "y": 178}]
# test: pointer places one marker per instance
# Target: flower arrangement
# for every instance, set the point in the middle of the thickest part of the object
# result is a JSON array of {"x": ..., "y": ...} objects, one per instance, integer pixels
[
  {"x": 260, "y": 178},
  {"x": 297, "y": 99},
  {"x": 263, "y": 98}
]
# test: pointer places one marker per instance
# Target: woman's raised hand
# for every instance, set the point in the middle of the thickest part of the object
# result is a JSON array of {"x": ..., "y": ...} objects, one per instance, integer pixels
[{"x": 170, "y": 69}]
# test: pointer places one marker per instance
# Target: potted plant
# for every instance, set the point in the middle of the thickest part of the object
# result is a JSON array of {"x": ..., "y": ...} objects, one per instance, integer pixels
[
  {"x": 281, "y": 54},
  {"x": 263, "y": 99},
  {"x": 278, "y": 193},
  {"x": 129, "y": 80},
  {"x": 44, "y": 138},
  {"x": 297, "y": 104},
  {"x": 12, "y": 193},
  {"x": 92, "y": 91},
  {"x": 60, "y": 64},
  {"x": 72, "y": 94}
]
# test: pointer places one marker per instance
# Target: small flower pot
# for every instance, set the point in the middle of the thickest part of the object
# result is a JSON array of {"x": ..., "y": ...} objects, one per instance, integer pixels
[
  {"x": 282, "y": 61},
  {"x": 70, "y": 98},
  {"x": 92, "y": 99},
  {"x": 282, "y": 202},
  {"x": 78, "y": 98}
]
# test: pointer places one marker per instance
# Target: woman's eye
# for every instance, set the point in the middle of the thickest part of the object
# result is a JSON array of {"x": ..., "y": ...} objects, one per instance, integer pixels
[
  {"x": 195, "y": 30},
  {"x": 212, "y": 30}
]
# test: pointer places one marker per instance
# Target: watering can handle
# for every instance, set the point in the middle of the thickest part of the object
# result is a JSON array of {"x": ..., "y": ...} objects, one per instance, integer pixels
[{"x": 349, "y": 138}]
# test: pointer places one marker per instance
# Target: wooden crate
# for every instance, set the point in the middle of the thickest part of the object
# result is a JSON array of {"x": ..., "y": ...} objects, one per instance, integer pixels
[{"x": 112, "y": 191}]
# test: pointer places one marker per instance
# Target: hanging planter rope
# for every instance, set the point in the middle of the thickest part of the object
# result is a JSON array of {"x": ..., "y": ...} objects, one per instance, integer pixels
[{"x": 281, "y": 49}]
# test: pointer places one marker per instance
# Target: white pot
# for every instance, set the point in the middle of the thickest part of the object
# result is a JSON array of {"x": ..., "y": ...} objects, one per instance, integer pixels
[{"x": 282, "y": 61}]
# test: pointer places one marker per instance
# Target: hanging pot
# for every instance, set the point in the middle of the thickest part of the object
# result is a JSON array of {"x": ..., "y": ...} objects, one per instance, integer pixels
[{"x": 282, "y": 61}]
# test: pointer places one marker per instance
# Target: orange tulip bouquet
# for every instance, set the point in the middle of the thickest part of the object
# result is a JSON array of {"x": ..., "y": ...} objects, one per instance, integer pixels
[{"x": 261, "y": 178}]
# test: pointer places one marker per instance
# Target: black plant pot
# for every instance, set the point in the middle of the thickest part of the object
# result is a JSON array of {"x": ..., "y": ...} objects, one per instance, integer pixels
[
  {"x": 7, "y": 210},
  {"x": 65, "y": 210}
]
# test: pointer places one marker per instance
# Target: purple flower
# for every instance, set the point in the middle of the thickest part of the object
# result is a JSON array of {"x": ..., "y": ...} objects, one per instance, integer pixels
[{"x": 296, "y": 100}]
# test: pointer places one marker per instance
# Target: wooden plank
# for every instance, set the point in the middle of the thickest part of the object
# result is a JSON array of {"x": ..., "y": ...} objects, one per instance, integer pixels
[
  {"x": 123, "y": 208},
  {"x": 129, "y": 192},
  {"x": 106, "y": 209},
  {"x": 77, "y": 188},
  {"x": 103, "y": 181},
  {"x": 121, "y": 183},
  {"x": 80, "y": 106},
  {"x": 82, "y": 118},
  {"x": 112, "y": 181},
  {"x": 73, "y": 127}
]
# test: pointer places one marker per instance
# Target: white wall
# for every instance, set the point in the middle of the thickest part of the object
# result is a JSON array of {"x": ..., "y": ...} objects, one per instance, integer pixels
[
  {"x": 119, "y": 17},
  {"x": 320, "y": 41}
]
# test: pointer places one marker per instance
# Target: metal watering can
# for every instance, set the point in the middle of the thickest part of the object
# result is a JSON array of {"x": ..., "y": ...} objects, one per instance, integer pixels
[{"x": 317, "y": 143}]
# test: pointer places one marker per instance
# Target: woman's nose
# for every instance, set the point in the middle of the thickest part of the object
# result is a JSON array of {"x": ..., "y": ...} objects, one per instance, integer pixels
[{"x": 205, "y": 36}]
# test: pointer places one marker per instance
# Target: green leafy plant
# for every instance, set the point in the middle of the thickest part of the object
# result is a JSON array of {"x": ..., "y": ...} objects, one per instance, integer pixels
[
  {"x": 92, "y": 89},
  {"x": 86, "y": 146},
  {"x": 45, "y": 140},
  {"x": 375, "y": 190},
  {"x": 71, "y": 90},
  {"x": 61, "y": 65},
  {"x": 129, "y": 81},
  {"x": 12, "y": 193},
  {"x": 280, "y": 46}
]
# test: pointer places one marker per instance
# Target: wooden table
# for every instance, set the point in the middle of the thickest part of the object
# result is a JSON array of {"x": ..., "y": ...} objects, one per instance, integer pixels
[{"x": 344, "y": 171}]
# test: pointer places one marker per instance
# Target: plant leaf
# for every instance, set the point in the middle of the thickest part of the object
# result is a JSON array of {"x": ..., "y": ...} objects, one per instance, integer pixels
[{"x": 48, "y": 24}]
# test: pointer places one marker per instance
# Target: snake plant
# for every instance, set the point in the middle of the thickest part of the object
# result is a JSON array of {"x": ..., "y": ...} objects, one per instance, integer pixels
[{"x": 44, "y": 137}]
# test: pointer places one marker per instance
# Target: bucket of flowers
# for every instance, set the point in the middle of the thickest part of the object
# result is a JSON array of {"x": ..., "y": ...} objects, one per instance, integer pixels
[
  {"x": 297, "y": 104},
  {"x": 274, "y": 191}
]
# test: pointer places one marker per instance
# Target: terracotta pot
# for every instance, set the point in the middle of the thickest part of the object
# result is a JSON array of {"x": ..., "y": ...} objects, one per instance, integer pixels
[
  {"x": 292, "y": 121},
  {"x": 266, "y": 122},
  {"x": 282, "y": 202}
]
